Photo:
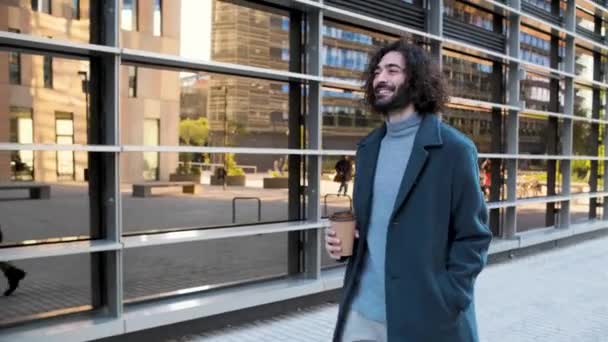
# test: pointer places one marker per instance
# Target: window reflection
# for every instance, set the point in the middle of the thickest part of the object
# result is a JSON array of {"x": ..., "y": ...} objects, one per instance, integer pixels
[
  {"x": 203, "y": 190},
  {"x": 535, "y": 46},
  {"x": 218, "y": 30},
  {"x": 484, "y": 127},
  {"x": 469, "y": 14},
  {"x": 224, "y": 110},
  {"x": 65, "y": 19},
  {"x": 468, "y": 77},
  {"x": 347, "y": 50},
  {"x": 538, "y": 178},
  {"x": 539, "y": 134}
]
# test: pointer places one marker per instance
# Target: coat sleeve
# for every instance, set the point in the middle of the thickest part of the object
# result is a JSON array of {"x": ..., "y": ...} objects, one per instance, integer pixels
[{"x": 469, "y": 236}]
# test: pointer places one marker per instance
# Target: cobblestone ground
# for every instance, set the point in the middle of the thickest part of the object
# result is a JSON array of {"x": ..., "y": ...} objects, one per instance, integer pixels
[{"x": 557, "y": 296}]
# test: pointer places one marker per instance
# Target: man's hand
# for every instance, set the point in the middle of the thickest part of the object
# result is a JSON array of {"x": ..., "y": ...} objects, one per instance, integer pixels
[{"x": 333, "y": 245}]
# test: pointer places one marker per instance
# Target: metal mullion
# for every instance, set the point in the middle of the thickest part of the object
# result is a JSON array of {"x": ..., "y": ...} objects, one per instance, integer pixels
[
  {"x": 47, "y": 250},
  {"x": 313, "y": 238},
  {"x": 58, "y": 147},
  {"x": 52, "y": 46},
  {"x": 160, "y": 60},
  {"x": 512, "y": 125}
]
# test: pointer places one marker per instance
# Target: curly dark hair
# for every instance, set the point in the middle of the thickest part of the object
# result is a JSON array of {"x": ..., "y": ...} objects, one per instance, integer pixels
[{"x": 426, "y": 86}]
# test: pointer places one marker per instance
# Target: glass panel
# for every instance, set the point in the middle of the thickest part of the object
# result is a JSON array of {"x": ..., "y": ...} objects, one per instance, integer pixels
[
  {"x": 583, "y": 101},
  {"x": 535, "y": 46},
  {"x": 493, "y": 179},
  {"x": 534, "y": 216},
  {"x": 586, "y": 138},
  {"x": 151, "y": 138},
  {"x": 128, "y": 19},
  {"x": 48, "y": 72},
  {"x": 469, "y": 14},
  {"x": 585, "y": 20},
  {"x": 587, "y": 176},
  {"x": 536, "y": 92},
  {"x": 203, "y": 109},
  {"x": 50, "y": 209},
  {"x": 218, "y": 30},
  {"x": 256, "y": 190},
  {"x": 539, "y": 134},
  {"x": 337, "y": 177},
  {"x": 158, "y": 17},
  {"x": 585, "y": 210},
  {"x": 197, "y": 266},
  {"x": 538, "y": 178},
  {"x": 346, "y": 119},
  {"x": 49, "y": 287},
  {"x": 469, "y": 77},
  {"x": 584, "y": 63},
  {"x": 347, "y": 50},
  {"x": 40, "y": 103},
  {"x": 67, "y": 20},
  {"x": 484, "y": 127}
]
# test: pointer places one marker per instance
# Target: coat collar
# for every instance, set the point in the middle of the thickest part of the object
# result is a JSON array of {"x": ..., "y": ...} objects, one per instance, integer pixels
[{"x": 428, "y": 135}]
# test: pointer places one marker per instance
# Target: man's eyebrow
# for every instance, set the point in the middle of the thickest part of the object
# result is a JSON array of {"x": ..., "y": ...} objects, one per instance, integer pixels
[{"x": 390, "y": 65}]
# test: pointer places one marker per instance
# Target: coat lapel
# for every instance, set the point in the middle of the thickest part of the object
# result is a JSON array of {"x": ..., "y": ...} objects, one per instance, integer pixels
[
  {"x": 428, "y": 135},
  {"x": 365, "y": 172}
]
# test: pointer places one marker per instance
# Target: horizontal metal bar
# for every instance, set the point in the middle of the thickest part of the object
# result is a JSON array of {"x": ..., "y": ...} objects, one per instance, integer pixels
[
  {"x": 563, "y": 116},
  {"x": 155, "y": 59},
  {"x": 479, "y": 103},
  {"x": 57, "y": 249},
  {"x": 219, "y": 233},
  {"x": 173, "y": 310},
  {"x": 54, "y": 45},
  {"x": 498, "y": 205},
  {"x": 206, "y": 149},
  {"x": 58, "y": 147},
  {"x": 596, "y": 5},
  {"x": 547, "y": 199},
  {"x": 337, "y": 153},
  {"x": 587, "y": 195},
  {"x": 588, "y": 82},
  {"x": 67, "y": 330},
  {"x": 538, "y": 156}
]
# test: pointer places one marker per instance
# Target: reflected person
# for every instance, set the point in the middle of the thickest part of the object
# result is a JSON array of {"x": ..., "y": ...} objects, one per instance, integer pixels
[
  {"x": 421, "y": 217},
  {"x": 13, "y": 274}
]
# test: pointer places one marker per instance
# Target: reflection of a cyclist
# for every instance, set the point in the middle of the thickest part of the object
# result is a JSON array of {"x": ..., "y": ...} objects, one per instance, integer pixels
[{"x": 12, "y": 274}]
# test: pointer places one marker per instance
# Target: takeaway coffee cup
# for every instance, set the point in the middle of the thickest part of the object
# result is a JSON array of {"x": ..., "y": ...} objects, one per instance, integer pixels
[{"x": 343, "y": 223}]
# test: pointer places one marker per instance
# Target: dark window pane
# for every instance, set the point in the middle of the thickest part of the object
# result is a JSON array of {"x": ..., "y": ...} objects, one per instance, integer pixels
[
  {"x": 539, "y": 134},
  {"x": 217, "y": 30},
  {"x": 34, "y": 96},
  {"x": 46, "y": 196},
  {"x": 222, "y": 110},
  {"x": 52, "y": 286},
  {"x": 255, "y": 185},
  {"x": 486, "y": 128},
  {"x": 346, "y": 119},
  {"x": 538, "y": 178},
  {"x": 586, "y": 138},
  {"x": 67, "y": 20},
  {"x": 347, "y": 50},
  {"x": 536, "y": 91},
  {"x": 196, "y": 266},
  {"x": 470, "y": 77},
  {"x": 48, "y": 72}
]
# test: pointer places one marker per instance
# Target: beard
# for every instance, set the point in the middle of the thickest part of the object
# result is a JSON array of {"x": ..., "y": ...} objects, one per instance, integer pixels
[{"x": 398, "y": 100}]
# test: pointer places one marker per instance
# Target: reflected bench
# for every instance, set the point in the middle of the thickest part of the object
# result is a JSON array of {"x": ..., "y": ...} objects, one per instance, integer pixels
[
  {"x": 36, "y": 190},
  {"x": 145, "y": 189}
]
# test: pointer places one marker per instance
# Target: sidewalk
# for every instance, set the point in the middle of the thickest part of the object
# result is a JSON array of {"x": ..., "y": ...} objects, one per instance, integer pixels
[{"x": 557, "y": 296}]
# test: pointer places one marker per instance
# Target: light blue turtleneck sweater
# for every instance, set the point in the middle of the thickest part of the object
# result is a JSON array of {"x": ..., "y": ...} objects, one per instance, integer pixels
[{"x": 395, "y": 150}]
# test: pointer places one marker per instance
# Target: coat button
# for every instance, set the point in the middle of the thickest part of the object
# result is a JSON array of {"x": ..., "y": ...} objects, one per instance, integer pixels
[{"x": 395, "y": 222}]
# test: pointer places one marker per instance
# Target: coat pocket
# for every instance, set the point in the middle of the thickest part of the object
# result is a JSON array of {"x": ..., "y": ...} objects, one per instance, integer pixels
[{"x": 447, "y": 293}]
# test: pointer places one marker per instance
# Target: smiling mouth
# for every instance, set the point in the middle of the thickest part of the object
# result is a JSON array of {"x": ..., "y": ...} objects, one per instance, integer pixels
[{"x": 384, "y": 92}]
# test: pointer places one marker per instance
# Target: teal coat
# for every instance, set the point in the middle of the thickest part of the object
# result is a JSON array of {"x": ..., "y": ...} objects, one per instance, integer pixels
[{"x": 437, "y": 240}]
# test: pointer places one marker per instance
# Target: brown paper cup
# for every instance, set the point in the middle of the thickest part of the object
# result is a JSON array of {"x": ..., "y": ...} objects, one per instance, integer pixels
[{"x": 343, "y": 223}]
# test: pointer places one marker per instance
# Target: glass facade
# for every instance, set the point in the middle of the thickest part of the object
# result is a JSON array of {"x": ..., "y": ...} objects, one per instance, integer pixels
[{"x": 204, "y": 157}]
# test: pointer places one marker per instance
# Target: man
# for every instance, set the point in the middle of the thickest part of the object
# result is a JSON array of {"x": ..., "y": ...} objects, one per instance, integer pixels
[
  {"x": 422, "y": 235},
  {"x": 344, "y": 174},
  {"x": 13, "y": 274}
]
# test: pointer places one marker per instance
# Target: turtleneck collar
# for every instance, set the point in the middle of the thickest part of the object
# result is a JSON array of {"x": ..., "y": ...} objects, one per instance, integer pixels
[{"x": 403, "y": 126}]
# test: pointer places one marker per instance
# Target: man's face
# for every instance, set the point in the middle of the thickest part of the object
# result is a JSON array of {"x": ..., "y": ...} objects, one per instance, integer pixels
[{"x": 389, "y": 83}]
